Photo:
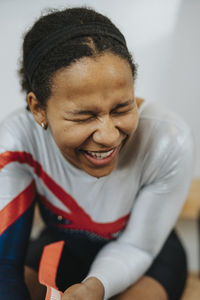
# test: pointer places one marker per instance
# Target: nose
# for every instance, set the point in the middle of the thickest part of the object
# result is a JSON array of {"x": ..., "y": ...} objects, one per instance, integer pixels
[{"x": 106, "y": 132}]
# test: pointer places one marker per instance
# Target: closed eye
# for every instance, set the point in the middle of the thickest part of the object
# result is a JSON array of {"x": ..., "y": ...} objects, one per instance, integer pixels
[
  {"x": 82, "y": 120},
  {"x": 123, "y": 108},
  {"x": 122, "y": 112}
]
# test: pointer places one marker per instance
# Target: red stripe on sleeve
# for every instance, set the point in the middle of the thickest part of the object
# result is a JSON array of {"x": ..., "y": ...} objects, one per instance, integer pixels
[
  {"x": 11, "y": 212},
  {"x": 26, "y": 158},
  {"x": 78, "y": 217}
]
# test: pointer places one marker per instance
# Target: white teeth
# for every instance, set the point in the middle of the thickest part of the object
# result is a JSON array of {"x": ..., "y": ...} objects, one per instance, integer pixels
[{"x": 100, "y": 155}]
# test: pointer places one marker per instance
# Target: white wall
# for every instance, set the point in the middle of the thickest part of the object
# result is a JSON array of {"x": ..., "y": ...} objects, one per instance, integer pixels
[{"x": 164, "y": 37}]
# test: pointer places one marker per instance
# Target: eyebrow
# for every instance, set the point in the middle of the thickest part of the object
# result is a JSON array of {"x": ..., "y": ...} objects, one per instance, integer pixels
[
  {"x": 91, "y": 112},
  {"x": 123, "y": 104}
]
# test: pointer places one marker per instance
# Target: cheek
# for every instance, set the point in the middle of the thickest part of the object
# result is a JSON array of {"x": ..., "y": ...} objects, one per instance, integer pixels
[
  {"x": 71, "y": 136},
  {"x": 129, "y": 123},
  {"x": 67, "y": 135}
]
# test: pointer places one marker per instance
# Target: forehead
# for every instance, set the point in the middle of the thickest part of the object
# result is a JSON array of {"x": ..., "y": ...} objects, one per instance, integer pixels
[{"x": 92, "y": 75}]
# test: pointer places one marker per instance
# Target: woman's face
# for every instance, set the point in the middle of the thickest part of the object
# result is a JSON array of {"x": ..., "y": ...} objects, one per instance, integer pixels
[{"x": 92, "y": 111}]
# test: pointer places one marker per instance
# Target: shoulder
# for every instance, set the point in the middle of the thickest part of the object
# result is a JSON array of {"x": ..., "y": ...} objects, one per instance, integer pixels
[
  {"x": 163, "y": 127},
  {"x": 162, "y": 144},
  {"x": 17, "y": 130},
  {"x": 162, "y": 118}
]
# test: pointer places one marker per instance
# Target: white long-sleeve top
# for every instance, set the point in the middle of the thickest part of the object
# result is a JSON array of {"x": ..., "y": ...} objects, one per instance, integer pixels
[{"x": 134, "y": 208}]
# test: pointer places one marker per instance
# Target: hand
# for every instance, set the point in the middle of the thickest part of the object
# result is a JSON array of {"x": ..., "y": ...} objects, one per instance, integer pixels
[{"x": 90, "y": 289}]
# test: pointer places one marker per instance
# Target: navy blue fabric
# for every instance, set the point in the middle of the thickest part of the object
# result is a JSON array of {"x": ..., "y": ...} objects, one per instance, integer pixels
[
  {"x": 12, "y": 286},
  {"x": 13, "y": 245}
]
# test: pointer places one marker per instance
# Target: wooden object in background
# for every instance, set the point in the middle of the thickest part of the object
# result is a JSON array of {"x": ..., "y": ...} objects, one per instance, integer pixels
[
  {"x": 192, "y": 291},
  {"x": 191, "y": 208},
  {"x": 191, "y": 211}
]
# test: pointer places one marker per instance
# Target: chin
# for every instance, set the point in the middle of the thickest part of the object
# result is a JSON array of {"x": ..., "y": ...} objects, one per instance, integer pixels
[{"x": 100, "y": 172}]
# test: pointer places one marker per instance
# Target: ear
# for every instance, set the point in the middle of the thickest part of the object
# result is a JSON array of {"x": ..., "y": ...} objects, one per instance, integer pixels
[{"x": 37, "y": 109}]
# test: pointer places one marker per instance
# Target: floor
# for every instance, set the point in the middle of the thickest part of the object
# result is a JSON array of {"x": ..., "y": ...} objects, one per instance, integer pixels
[{"x": 192, "y": 291}]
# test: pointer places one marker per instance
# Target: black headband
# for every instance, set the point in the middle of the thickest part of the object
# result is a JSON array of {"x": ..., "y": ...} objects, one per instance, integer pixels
[{"x": 74, "y": 31}]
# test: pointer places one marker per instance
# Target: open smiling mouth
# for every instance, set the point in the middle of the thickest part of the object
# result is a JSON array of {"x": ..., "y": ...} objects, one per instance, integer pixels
[{"x": 100, "y": 158}]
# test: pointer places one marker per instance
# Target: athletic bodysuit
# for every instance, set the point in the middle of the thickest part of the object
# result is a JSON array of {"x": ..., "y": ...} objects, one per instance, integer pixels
[{"x": 126, "y": 215}]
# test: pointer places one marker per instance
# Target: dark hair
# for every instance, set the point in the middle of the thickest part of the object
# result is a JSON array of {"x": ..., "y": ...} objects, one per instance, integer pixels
[{"x": 66, "y": 52}]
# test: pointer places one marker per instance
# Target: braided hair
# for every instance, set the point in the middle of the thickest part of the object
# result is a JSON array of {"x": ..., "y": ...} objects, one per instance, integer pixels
[{"x": 66, "y": 51}]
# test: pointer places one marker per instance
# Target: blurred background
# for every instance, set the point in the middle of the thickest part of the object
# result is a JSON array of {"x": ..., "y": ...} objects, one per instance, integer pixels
[{"x": 164, "y": 38}]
